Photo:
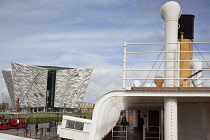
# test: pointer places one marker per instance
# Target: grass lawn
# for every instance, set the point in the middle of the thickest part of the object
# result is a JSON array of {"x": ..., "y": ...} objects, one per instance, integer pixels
[
  {"x": 48, "y": 115},
  {"x": 87, "y": 115},
  {"x": 42, "y": 115}
]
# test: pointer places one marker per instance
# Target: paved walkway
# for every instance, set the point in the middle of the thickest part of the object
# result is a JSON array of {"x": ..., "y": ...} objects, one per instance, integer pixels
[
  {"x": 32, "y": 132},
  {"x": 131, "y": 135}
]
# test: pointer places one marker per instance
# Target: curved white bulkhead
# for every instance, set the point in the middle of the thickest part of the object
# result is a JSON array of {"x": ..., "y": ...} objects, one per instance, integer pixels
[
  {"x": 106, "y": 115},
  {"x": 107, "y": 111}
]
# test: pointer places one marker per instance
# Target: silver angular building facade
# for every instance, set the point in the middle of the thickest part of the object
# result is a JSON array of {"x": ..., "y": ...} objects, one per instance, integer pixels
[
  {"x": 71, "y": 86},
  {"x": 9, "y": 83},
  {"x": 30, "y": 84},
  {"x": 46, "y": 86}
]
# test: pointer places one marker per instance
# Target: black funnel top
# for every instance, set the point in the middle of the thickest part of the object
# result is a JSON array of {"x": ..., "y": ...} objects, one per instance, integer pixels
[{"x": 186, "y": 23}]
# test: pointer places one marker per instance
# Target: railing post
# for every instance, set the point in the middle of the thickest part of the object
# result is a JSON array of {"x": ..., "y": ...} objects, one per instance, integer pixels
[
  {"x": 124, "y": 65},
  {"x": 178, "y": 64},
  {"x": 41, "y": 132},
  {"x": 126, "y": 132},
  {"x": 112, "y": 132},
  {"x": 159, "y": 132},
  {"x": 143, "y": 132},
  {"x": 45, "y": 133}
]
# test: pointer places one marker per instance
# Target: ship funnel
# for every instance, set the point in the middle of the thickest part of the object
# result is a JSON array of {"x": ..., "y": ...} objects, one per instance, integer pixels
[
  {"x": 186, "y": 34},
  {"x": 186, "y": 28}
]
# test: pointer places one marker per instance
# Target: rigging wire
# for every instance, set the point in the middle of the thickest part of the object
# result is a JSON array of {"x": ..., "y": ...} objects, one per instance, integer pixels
[
  {"x": 201, "y": 55},
  {"x": 129, "y": 74},
  {"x": 153, "y": 66},
  {"x": 157, "y": 71}
]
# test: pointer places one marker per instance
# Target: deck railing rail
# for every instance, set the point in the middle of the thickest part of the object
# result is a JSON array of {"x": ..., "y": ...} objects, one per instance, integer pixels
[
  {"x": 127, "y": 70},
  {"x": 118, "y": 133}
]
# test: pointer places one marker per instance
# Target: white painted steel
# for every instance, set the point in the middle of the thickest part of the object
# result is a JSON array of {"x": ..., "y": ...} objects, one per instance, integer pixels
[
  {"x": 115, "y": 101},
  {"x": 127, "y": 85},
  {"x": 124, "y": 65},
  {"x": 170, "y": 52},
  {"x": 161, "y": 78},
  {"x": 170, "y": 13},
  {"x": 102, "y": 121},
  {"x": 164, "y": 69},
  {"x": 169, "y": 61},
  {"x": 127, "y": 116},
  {"x": 136, "y": 83},
  {"x": 178, "y": 64},
  {"x": 12, "y": 137},
  {"x": 195, "y": 64},
  {"x": 73, "y": 133},
  {"x": 175, "y": 42},
  {"x": 170, "y": 119}
]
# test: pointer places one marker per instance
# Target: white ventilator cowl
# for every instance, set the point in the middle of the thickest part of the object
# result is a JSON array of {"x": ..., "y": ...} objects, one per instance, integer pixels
[
  {"x": 196, "y": 64},
  {"x": 136, "y": 83}
]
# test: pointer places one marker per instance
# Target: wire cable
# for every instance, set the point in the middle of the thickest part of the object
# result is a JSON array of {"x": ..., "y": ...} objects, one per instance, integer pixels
[
  {"x": 153, "y": 66},
  {"x": 201, "y": 54},
  {"x": 157, "y": 71}
]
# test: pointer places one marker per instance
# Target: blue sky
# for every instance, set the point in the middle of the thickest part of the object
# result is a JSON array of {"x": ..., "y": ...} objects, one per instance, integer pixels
[{"x": 85, "y": 33}]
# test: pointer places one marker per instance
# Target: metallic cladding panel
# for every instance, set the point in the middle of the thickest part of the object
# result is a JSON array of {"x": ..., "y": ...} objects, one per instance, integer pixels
[
  {"x": 71, "y": 86},
  {"x": 9, "y": 83},
  {"x": 30, "y": 85}
]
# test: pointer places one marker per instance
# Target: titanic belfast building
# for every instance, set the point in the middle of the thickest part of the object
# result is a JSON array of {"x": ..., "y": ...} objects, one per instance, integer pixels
[{"x": 46, "y": 88}]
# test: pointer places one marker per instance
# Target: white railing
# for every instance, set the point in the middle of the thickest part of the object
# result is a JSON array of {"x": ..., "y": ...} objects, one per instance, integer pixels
[
  {"x": 127, "y": 72},
  {"x": 118, "y": 132},
  {"x": 152, "y": 134}
]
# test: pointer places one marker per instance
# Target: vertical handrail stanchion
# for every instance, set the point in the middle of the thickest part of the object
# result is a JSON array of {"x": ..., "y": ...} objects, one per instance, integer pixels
[
  {"x": 178, "y": 64},
  {"x": 41, "y": 133},
  {"x": 143, "y": 132},
  {"x": 50, "y": 131},
  {"x": 159, "y": 132},
  {"x": 112, "y": 132},
  {"x": 45, "y": 133},
  {"x": 126, "y": 132},
  {"x": 124, "y": 65}
]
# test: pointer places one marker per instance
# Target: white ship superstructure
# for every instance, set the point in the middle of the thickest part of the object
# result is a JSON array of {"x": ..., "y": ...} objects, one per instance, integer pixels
[{"x": 177, "y": 104}]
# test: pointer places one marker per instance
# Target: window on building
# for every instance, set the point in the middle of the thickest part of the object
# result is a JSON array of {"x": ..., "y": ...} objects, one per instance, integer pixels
[
  {"x": 79, "y": 126},
  {"x": 70, "y": 124},
  {"x": 74, "y": 125}
]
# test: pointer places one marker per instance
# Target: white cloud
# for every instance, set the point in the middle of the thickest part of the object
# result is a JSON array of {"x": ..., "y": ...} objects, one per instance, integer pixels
[
  {"x": 82, "y": 33},
  {"x": 105, "y": 78}
]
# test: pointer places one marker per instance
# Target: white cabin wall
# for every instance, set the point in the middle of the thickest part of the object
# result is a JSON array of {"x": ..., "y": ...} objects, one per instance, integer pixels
[{"x": 192, "y": 121}]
